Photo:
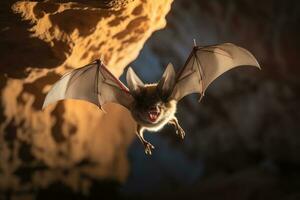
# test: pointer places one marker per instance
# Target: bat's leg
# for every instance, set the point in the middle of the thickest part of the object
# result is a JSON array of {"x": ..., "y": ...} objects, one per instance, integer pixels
[
  {"x": 179, "y": 130},
  {"x": 148, "y": 146}
]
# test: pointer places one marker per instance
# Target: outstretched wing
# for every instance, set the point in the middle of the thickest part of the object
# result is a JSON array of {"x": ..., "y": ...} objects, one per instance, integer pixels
[
  {"x": 93, "y": 83},
  {"x": 205, "y": 64}
]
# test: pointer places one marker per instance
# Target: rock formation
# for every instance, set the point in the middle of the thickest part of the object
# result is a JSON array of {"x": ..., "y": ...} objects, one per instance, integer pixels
[
  {"x": 242, "y": 140},
  {"x": 72, "y": 141}
]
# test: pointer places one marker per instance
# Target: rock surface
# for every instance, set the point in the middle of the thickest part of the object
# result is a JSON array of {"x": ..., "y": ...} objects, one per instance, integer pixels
[
  {"x": 242, "y": 140},
  {"x": 72, "y": 142}
]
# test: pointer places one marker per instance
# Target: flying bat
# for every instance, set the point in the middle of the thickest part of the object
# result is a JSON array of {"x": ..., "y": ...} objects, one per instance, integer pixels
[{"x": 151, "y": 105}]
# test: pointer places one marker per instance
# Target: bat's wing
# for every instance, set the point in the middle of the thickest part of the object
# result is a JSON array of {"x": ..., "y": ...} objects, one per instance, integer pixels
[
  {"x": 205, "y": 64},
  {"x": 92, "y": 83}
]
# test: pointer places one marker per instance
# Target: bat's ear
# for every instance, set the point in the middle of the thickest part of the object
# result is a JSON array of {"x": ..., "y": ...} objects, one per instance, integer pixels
[
  {"x": 167, "y": 82},
  {"x": 134, "y": 82}
]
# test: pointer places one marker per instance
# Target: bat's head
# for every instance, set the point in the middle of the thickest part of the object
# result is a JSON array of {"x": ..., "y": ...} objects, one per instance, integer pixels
[{"x": 151, "y": 103}]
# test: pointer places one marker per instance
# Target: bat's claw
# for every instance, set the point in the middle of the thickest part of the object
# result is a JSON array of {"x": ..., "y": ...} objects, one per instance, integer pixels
[
  {"x": 180, "y": 132},
  {"x": 148, "y": 148}
]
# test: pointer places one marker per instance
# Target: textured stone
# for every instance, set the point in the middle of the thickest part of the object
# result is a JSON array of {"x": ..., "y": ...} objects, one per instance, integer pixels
[{"x": 72, "y": 139}]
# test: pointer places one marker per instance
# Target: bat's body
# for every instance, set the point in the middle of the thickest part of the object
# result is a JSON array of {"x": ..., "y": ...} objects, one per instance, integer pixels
[
  {"x": 152, "y": 113},
  {"x": 152, "y": 105}
]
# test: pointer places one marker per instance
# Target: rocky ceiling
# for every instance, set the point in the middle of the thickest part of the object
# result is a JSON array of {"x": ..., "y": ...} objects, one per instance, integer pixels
[{"x": 41, "y": 40}]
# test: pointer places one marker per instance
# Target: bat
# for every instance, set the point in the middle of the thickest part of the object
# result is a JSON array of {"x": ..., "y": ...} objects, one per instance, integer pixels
[{"x": 152, "y": 106}]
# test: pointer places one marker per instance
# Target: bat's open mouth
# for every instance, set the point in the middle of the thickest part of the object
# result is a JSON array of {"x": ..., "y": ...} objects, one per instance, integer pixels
[{"x": 153, "y": 114}]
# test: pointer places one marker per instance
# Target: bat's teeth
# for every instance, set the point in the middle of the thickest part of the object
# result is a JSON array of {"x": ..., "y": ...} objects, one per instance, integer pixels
[{"x": 152, "y": 116}]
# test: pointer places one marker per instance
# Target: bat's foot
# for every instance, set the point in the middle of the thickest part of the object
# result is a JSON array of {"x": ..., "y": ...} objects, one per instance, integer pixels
[
  {"x": 180, "y": 132},
  {"x": 148, "y": 148}
]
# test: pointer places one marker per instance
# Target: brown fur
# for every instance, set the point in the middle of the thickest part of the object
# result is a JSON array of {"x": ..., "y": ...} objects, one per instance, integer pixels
[{"x": 148, "y": 97}]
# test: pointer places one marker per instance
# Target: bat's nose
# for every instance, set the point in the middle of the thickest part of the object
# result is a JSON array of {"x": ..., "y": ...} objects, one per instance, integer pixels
[{"x": 154, "y": 109}]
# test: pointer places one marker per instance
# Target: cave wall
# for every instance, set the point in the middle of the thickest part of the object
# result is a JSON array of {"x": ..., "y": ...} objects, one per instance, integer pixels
[
  {"x": 255, "y": 109},
  {"x": 72, "y": 141},
  {"x": 242, "y": 140}
]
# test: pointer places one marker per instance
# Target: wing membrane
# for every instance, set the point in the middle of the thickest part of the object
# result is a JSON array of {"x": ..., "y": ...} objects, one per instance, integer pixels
[
  {"x": 205, "y": 64},
  {"x": 93, "y": 83}
]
